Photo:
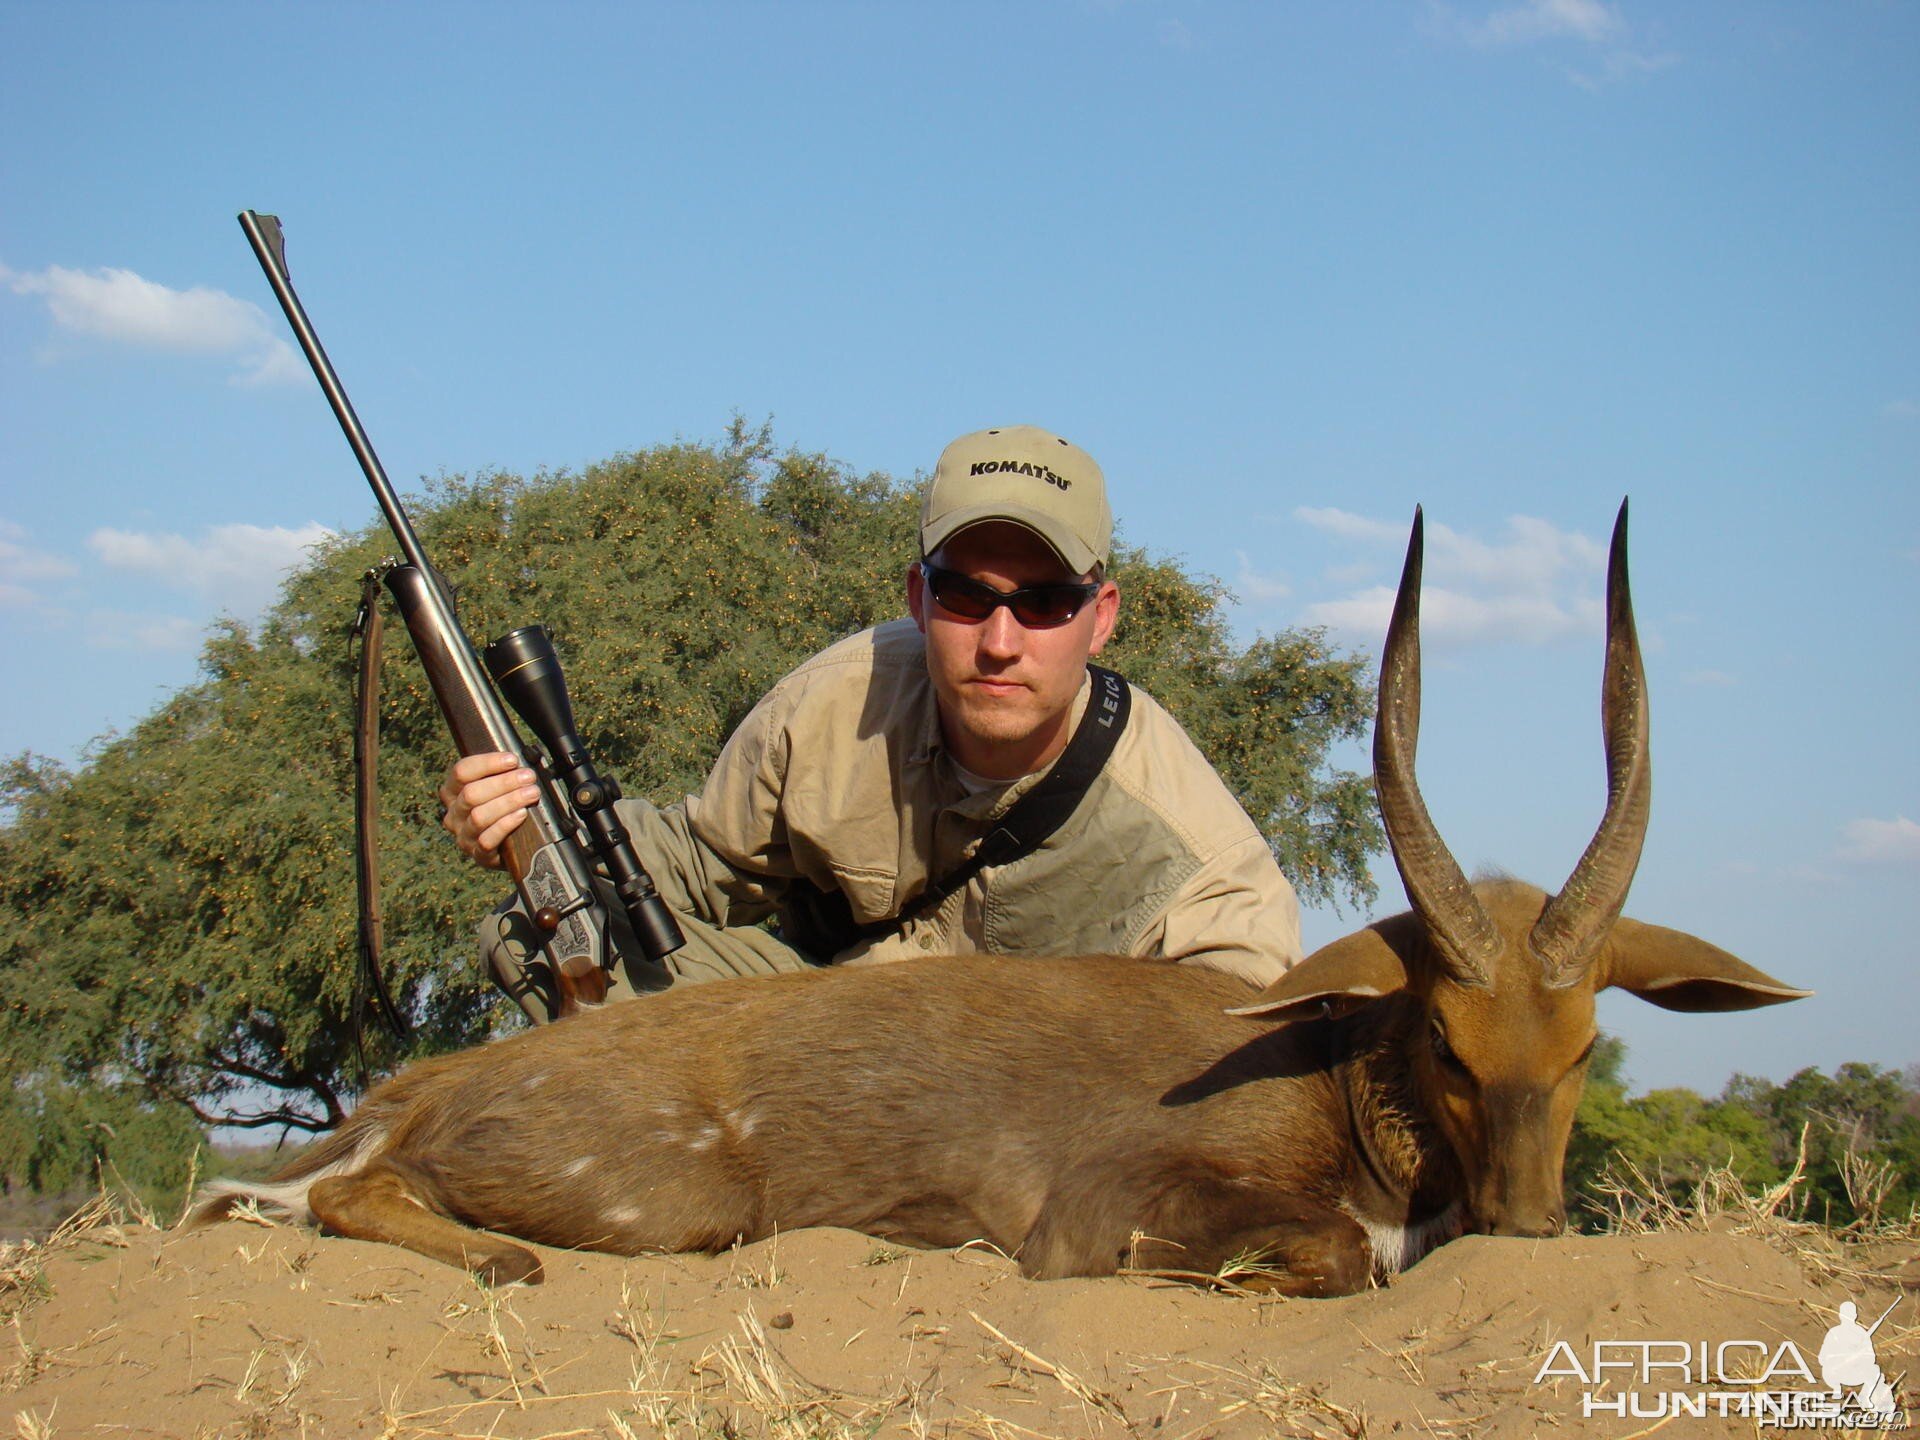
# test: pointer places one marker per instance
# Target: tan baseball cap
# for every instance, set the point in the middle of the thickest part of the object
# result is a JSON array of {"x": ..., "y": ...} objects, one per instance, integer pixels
[{"x": 1029, "y": 476}]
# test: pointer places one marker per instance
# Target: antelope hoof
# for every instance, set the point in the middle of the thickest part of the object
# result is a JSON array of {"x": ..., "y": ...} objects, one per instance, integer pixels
[{"x": 507, "y": 1265}]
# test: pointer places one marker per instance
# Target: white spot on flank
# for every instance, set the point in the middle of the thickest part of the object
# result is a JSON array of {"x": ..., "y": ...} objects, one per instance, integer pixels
[
  {"x": 704, "y": 1139},
  {"x": 742, "y": 1122},
  {"x": 534, "y": 1082},
  {"x": 575, "y": 1167},
  {"x": 625, "y": 1215}
]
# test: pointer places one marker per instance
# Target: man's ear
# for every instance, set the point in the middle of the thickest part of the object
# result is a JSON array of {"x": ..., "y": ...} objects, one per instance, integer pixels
[
  {"x": 1677, "y": 971},
  {"x": 1334, "y": 980},
  {"x": 1106, "y": 614},
  {"x": 917, "y": 596}
]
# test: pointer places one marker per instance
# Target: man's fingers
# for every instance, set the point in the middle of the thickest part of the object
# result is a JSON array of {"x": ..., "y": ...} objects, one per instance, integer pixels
[
  {"x": 469, "y": 768},
  {"x": 516, "y": 787},
  {"x": 476, "y": 770},
  {"x": 515, "y": 801},
  {"x": 495, "y": 835},
  {"x": 484, "y": 799}
]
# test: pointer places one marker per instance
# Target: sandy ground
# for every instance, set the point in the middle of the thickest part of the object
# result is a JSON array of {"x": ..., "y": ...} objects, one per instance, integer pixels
[{"x": 243, "y": 1329}]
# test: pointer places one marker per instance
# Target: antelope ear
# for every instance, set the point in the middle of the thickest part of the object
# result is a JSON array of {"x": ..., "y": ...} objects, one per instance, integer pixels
[
  {"x": 1334, "y": 980},
  {"x": 1676, "y": 971}
]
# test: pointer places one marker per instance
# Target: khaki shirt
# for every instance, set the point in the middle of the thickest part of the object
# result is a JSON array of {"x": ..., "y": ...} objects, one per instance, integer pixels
[{"x": 840, "y": 775}]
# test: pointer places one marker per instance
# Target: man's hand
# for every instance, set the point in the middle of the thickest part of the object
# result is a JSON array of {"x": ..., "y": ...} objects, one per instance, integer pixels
[{"x": 486, "y": 797}]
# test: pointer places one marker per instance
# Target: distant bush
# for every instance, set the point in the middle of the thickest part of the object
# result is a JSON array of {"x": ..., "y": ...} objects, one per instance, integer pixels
[{"x": 1861, "y": 1129}]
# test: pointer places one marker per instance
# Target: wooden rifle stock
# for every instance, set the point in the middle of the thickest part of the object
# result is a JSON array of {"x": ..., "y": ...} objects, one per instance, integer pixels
[{"x": 535, "y": 854}]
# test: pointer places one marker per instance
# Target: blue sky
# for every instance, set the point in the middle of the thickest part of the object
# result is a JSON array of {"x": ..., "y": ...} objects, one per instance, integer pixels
[{"x": 1285, "y": 269}]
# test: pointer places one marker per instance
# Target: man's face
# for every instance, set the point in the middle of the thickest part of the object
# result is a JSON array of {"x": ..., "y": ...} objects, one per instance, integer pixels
[{"x": 1005, "y": 690}]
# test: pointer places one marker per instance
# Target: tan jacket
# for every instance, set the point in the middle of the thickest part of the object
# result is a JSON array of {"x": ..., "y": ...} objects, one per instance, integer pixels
[{"x": 840, "y": 775}]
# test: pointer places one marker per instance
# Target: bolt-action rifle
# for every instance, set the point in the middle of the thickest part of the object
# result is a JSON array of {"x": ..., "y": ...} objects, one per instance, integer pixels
[{"x": 544, "y": 855}]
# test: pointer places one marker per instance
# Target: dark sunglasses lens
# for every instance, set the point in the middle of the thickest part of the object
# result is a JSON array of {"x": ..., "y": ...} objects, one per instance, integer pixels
[
  {"x": 1046, "y": 605},
  {"x": 960, "y": 596}
]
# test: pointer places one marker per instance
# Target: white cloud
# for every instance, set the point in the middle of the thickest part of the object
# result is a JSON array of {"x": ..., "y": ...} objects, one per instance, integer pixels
[
  {"x": 1349, "y": 526},
  {"x": 1533, "y": 553},
  {"x": 1173, "y": 35},
  {"x": 125, "y": 308},
  {"x": 1880, "y": 842},
  {"x": 1533, "y": 20},
  {"x": 1449, "y": 617},
  {"x": 1351, "y": 574},
  {"x": 1619, "y": 65},
  {"x": 1534, "y": 585},
  {"x": 235, "y": 567},
  {"x": 1592, "y": 24},
  {"x": 22, "y": 566},
  {"x": 126, "y": 630},
  {"x": 1251, "y": 584}
]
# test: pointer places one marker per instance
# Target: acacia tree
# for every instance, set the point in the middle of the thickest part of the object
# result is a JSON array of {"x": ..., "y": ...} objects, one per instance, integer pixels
[{"x": 183, "y": 905}]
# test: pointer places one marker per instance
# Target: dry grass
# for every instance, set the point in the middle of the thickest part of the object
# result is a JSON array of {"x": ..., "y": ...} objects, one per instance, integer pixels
[
  {"x": 761, "y": 1394},
  {"x": 267, "y": 1388},
  {"x": 1250, "y": 1273},
  {"x": 737, "y": 1386},
  {"x": 1636, "y": 1203},
  {"x": 1079, "y": 1389},
  {"x": 1291, "y": 1407},
  {"x": 23, "y": 1263}
]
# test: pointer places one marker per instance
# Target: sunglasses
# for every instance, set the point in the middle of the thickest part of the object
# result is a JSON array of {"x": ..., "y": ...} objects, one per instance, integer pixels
[{"x": 1038, "y": 607}]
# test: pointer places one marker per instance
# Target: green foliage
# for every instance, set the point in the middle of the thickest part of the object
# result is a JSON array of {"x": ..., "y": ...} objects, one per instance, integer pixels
[
  {"x": 60, "y": 1137},
  {"x": 1861, "y": 1128},
  {"x": 183, "y": 905},
  {"x": 1265, "y": 716}
]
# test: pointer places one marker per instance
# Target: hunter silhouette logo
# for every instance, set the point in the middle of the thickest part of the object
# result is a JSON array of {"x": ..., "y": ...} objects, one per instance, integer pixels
[
  {"x": 1847, "y": 1361},
  {"x": 1766, "y": 1381}
]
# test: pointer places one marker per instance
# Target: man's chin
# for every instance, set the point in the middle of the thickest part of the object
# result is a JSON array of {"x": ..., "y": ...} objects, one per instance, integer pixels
[{"x": 998, "y": 721}]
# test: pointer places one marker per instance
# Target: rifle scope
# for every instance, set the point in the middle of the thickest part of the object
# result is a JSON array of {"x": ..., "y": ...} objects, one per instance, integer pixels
[{"x": 527, "y": 670}]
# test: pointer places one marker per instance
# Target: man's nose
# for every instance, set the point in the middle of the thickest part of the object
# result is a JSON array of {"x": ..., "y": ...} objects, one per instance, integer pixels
[{"x": 1001, "y": 635}]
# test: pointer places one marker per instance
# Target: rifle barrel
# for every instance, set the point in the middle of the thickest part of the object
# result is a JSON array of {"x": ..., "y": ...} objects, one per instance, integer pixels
[
  {"x": 1883, "y": 1315},
  {"x": 269, "y": 247}
]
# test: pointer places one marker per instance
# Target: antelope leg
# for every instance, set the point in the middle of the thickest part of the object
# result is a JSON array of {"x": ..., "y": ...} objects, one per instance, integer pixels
[
  {"x": 1191, "y": 1216},
  {"x": 378, "y": 1203},
  {"x": 1308, "y": 1255}
]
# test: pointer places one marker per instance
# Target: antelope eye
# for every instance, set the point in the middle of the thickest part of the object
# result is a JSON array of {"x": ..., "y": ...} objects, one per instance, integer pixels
[{"x": 1443, "y": 1052}]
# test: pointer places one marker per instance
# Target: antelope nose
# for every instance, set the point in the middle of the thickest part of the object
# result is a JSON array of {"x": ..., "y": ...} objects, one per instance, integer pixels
[
  {"x": 1535, "y": 1226},
  {"x": 1537, "y": 1230}
]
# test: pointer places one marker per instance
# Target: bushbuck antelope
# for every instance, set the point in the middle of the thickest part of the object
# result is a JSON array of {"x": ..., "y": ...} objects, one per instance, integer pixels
[{"x": 1399, "y": 1086}]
